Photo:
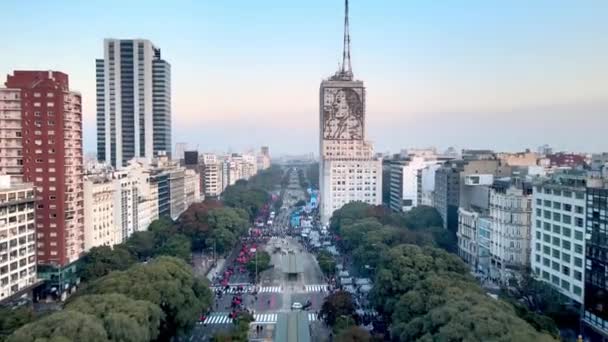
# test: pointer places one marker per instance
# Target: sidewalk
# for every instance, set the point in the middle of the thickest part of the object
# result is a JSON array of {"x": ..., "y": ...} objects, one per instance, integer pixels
[{"x": 216, "y": 270}]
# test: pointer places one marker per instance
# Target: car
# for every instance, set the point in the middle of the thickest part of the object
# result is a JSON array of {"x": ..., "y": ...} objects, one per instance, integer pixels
[{"x": 296, "y": 306}]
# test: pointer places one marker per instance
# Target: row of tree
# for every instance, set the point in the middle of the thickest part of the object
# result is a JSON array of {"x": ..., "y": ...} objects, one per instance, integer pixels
[
  {"x": 425, "y": 292},
  {"x": 150, "y": 301}
]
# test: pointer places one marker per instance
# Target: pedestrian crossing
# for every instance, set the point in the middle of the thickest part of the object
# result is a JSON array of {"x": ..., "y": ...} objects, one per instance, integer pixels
[
  {"x": 265, "y": 318},
  {"x": 218, "y": 318},
  {"x": 259, "y": 318},
  {"x": 266, "y": 289},
  {"x": 316, "y": 288},
  {"x": 233, "y": 289}
]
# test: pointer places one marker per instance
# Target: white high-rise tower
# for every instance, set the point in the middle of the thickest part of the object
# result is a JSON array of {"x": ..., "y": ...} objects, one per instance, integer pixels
[{"x": 348, "y": 170}]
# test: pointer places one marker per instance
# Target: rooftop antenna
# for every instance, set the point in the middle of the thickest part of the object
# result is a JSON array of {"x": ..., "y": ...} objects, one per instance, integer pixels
[{"x": 347, "y": 69}]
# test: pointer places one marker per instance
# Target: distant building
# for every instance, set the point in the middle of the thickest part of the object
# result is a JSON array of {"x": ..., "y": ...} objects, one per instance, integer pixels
[
  {"x": 545, "y": 150},
  {"x": 510, "y": 215},
  {"x": 404, "y": 181},
  {"x": 133, "y": 102},
  {"x": 191, "y": 159},
  {"x": 212, "y": 175},
  {"x": 17, "y": 238},
  {"x": 348, "y": 169},
  {"x": 566, "y": 160},
  {"x": 595, "y": 278},
  {"x": 558, "y": 233},
  {"x": 100, "y": 227}
]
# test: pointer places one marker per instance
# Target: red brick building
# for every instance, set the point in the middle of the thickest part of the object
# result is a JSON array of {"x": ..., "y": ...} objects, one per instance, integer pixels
[{"x": 51, "y": 158}]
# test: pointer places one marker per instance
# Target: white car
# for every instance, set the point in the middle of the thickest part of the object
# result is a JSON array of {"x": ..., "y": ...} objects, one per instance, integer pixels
[{"x": 297, "y": 306}]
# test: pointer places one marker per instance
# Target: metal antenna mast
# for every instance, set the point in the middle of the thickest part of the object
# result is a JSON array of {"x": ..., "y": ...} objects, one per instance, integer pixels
[{"x": 346, "y": 66}]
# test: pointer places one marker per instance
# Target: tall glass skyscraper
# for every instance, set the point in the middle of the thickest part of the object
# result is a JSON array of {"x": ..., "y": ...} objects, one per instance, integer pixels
[{"x": 133, "y": 102}]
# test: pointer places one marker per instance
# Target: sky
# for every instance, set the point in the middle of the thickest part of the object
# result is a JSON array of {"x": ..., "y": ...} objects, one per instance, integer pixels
[{"x": 506, "y": 75}]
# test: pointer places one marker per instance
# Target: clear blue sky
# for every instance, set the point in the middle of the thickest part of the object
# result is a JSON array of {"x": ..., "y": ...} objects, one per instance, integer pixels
[{"x": 499, "y": 74}]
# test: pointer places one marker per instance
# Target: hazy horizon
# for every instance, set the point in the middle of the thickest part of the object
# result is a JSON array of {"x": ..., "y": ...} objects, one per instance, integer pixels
[{"x": 506, "y": 76}]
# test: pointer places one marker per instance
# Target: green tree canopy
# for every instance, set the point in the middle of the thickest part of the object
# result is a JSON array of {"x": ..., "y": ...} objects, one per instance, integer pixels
[
  {"x": 165, "y": 281},
  {"x": 353, "y": 334},
  {"x": 62, "y": 326},
  {"x": 124, "y": 319},
  {"x": 327, "y": 264},
  {"x": 263, "y": 260},
  {"x": 178, "y": 246},
  {"x": 100, "y": 261},
  {"x": 336, "y": 305},
  {"x": 141, "y": 244},
  {"x": 12, "y": 319}
]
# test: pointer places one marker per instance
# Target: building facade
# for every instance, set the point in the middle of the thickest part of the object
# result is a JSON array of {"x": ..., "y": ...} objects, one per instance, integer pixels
[
  {"x": 595, "y": 314},
  {"x": 11, "y": 158},
  {"x": 510, "y": 214},
  {"x": 348, "y": 169},
  {"x": 51, "y": 148},
  {"x": 17, "y": 238},
  {"x": 558, "y": 231},
  {"x": 133, "y": 102},
  {"x": 100, "y": 227}
]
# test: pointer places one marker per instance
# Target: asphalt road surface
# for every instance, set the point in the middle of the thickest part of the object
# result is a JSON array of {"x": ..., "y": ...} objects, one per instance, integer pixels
[{"x": 275, "y": 292}]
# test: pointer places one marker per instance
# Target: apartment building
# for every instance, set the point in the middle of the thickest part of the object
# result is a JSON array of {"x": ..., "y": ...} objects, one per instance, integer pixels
[
  {"x": 100, "y": 227},
  {"x": 17, "y": 238},
  {"x": 558, "y": 233}
]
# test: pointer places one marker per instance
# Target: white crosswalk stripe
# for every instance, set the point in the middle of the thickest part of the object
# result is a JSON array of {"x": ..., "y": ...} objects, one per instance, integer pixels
[
  {"x": 218, "y": 318},
  {"x": 265, "y": 318},
  {"x": 312, "y": 317},
  {"x": 267, "y": 289},
  {"x": 316, "y": 288}
]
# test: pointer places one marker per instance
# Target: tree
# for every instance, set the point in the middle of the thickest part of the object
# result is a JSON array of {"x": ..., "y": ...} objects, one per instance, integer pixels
[
  {"x": 62, "y": 326},
  {"x": 353, "y": 334},
  {"x": 102, "y": 260},
  {"x": 263, "y": 262},
  {"x": 162, "y": 228},
  {"x": 337, "y": 304},
  {"x": 142, "y": 245},
  {"x": 178, "y": 246},
  {"x": 223, "y": 239},
  {"x": 234, "y": 220},
  {"x": 241, "y": 195},
  {"x": 327, "y": 264},
  {"x": 12, "y": 319},
  {"x": 124, "y": 319},
  {"x": 165, "y": 281}
]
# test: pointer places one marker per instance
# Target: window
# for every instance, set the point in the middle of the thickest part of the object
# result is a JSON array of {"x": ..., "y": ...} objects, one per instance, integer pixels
[
  {"x": 567, "y": 207},
  {"x": 565, "y": 285},
  {"x": 578, "y": 248},
  {"x": 555, "y": 280},
  {"x": 567, "y": 219},
  {"x": 539, "y": 201},
  {"x": 578, "y": 275},
  {"x": 566, "y": 232},
  {"x": 547, "y": 214},
  {"x": 578, "y": 262},
  {"x": 580, "y": 195},
  {"x": 578, "y": 222},
  {"x": 557, "y": 205},
  {"x": 556, "y": 229},
  {"x": 538, "y": 225},
  {"x": 546, "y": 262},
  {"x": 538, "y": 235},
  {"x": 537, "y": 256},
  {"x": 578, "y": 235},
  {"x": 566, "y": 257},
  {"x": 556, "y": 241},
  {"x": 555, "y": 253},
  {"x": 578, "y": 209},
  {"x": 547, "y": 238},
  {"x": 566, "y": 245},
  {"x": 547, "y": 203},
  {"x": 576, "y": 290},
  {"x": 545, "y": 275},
  {"x": 566, "y": 270},
  {"x": 547, "y": 250},
  {"x": 557, "y": 217}
]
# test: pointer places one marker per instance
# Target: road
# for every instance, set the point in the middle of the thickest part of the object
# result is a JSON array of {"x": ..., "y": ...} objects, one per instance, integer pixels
[{"x": 275, "y": 291}]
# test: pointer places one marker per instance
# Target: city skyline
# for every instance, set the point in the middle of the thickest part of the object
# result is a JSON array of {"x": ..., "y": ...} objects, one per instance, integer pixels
[{"x": 436, "y": 74}]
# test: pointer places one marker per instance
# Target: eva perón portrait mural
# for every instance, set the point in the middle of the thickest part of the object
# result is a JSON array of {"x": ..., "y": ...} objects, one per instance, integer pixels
[{"x": 343, "y": 112}]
